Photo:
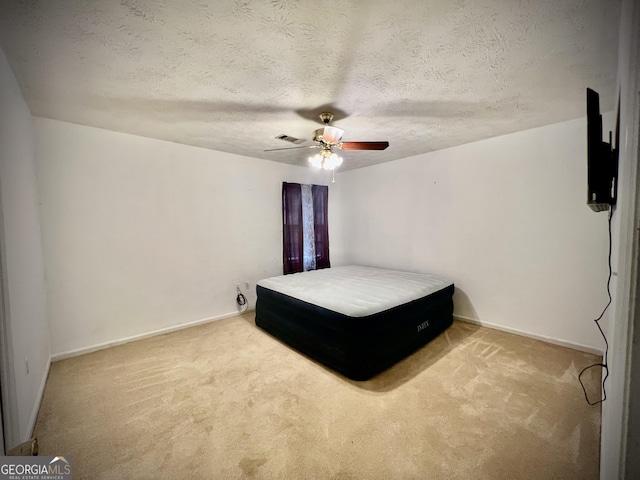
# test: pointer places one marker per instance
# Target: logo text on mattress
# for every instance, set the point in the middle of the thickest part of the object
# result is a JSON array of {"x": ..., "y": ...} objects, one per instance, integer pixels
[{"x": 423, "y": 325}]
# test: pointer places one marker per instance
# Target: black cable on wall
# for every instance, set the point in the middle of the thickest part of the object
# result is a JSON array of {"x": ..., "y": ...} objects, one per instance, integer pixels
[{"x": 605, "y": 359}]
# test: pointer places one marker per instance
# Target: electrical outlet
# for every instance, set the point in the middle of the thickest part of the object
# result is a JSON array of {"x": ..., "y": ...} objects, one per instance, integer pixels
[{"x": 246, "y": 285}]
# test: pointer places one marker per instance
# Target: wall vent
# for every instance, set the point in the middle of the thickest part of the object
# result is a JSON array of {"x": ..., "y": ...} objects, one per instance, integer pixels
[{"x": 287, "y": 138}]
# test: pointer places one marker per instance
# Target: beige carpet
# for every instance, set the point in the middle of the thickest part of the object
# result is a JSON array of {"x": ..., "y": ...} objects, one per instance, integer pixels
[{"x": 225, "y": 400}]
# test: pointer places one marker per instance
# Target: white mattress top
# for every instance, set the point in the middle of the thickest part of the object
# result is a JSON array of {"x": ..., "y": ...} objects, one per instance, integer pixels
[{"x": 354, "y": 290}]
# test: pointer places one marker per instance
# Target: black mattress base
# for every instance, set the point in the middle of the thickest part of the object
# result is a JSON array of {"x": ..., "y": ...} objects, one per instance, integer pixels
[{"x": 357, "y": 347}]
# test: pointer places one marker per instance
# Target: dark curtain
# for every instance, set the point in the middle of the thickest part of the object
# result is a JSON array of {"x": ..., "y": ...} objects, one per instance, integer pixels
[
  {"x": 292, "y": 227},
  {"x": 321, "y": 224},
  {"x": 292, "y": 234}
]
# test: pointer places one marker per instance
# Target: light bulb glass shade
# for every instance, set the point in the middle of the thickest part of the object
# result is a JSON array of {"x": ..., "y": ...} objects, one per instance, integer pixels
[
  {"x": 332, "y": 162},
  {"x": 326, "y": 159},
  {"x": 316, "y": 160}
]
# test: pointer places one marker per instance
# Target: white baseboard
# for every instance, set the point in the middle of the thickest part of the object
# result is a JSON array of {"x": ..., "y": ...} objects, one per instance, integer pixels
[
  {"x": 544, "y": 338},
  {"x": 36, "y": 406},
  {"x": 101, "y": 346}
]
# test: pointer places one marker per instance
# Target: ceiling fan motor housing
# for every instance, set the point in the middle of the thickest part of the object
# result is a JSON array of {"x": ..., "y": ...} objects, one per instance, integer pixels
[{"x": 328, "y": 135}]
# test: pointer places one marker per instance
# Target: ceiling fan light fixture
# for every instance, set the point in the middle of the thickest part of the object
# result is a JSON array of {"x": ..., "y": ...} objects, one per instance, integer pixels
[
  {"x": 326, "y": 160},
  {"x": 316, "y": 160},
  {"x": 332, "y": 162}
]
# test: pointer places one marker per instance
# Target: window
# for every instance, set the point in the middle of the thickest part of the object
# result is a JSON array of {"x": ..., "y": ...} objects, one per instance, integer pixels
[{"x": 305, "y": 228}]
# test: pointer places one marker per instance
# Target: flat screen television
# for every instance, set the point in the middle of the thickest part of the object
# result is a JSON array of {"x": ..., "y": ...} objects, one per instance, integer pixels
[{"x": 602, "y": 159}]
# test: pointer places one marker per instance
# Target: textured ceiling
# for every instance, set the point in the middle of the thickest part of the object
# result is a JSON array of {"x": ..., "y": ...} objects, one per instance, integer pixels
[{"x": 232, "y": 75}]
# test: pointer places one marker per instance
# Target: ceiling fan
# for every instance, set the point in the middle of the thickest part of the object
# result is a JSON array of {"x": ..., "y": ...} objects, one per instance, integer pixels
[{"x": 326, "y": 139}]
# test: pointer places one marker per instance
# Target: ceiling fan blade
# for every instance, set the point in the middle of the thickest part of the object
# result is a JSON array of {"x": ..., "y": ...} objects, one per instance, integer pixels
[
  {"x": 291, "y": 148},
  {"x": 363, "y": 145}
]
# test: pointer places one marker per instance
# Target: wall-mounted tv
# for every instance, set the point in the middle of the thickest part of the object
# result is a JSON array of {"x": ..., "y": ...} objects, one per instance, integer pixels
[{"x": 602, "y": 158}]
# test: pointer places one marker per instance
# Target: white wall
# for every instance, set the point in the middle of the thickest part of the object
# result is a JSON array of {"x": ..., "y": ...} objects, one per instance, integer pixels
[
  {"x": 22, "y": 260},
  {"x": 142, "y": 235},
  {"x": 506, "y": 219}
]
